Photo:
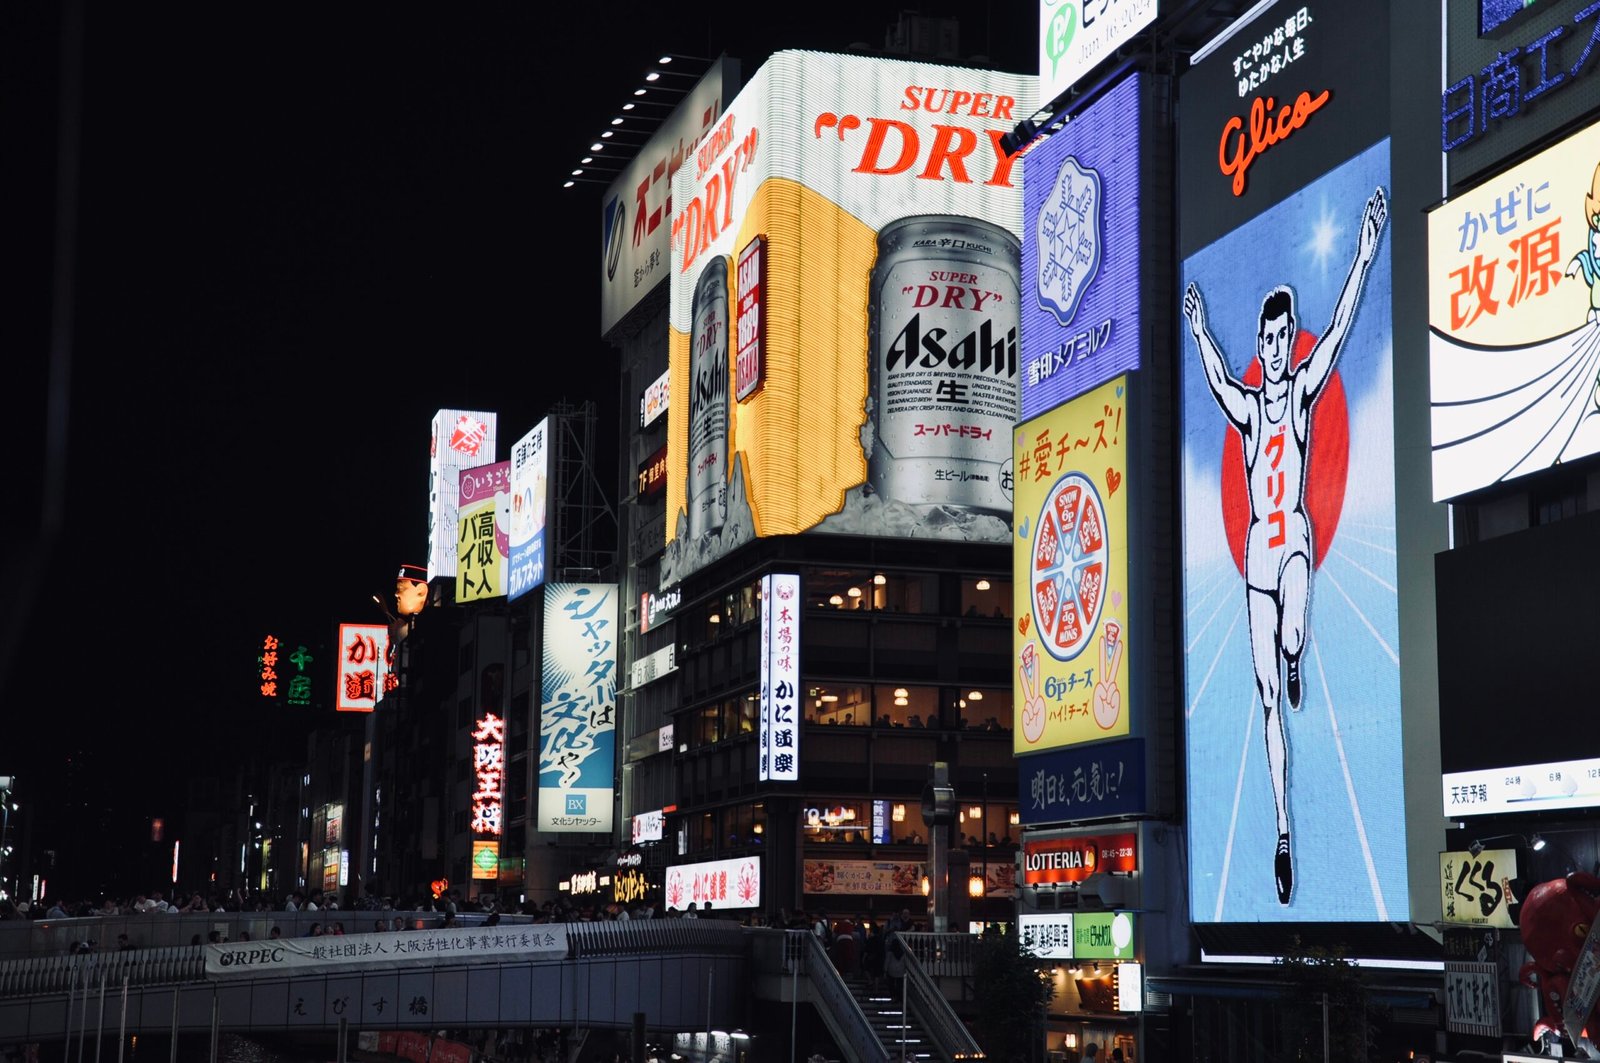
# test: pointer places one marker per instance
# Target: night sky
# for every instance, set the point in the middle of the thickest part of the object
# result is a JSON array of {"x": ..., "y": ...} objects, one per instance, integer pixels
[{"x": 299, "y": 232}]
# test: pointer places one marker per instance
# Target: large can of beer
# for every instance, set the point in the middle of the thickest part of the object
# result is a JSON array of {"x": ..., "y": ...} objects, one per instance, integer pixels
[
  {"x": 943, "y": 312},
  {"x": 707, "y": 492}
]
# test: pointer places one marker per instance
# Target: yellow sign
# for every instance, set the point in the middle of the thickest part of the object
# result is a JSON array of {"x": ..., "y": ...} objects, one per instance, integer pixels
[
  {"x": 1476, "y": 890},
  {"x": 1070, "y": 572},
  {"x": 481, "y": 547},
  {"x": 485, "y": 859}
]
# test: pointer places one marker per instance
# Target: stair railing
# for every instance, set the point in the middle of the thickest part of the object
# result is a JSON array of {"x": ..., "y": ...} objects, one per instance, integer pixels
[{"x": 947, "y": 1034}]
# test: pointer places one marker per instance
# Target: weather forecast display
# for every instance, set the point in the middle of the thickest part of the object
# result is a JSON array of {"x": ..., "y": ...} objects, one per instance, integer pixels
[
  {"x": 1292, "y": 697},
  {"x": 1070, "y": 572}
]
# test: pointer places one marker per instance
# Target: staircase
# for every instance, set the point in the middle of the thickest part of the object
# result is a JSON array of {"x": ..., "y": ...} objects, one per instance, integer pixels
[{"x": 882, "y": 1008}]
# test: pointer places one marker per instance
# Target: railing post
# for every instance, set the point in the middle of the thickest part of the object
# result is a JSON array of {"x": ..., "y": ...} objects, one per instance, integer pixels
[{"x": 122, "y": 1024}]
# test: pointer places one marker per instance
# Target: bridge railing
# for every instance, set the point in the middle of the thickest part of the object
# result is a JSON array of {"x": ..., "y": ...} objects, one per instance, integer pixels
[
  {"x": 47, "y": 937},
  {"x": 39, "y": 975},
  {"x": 950, "y": 1036},
  {"x": 799, "y": 954},
  {"x": 654, "y": 935},
  {"x": 942, "y": 955}
]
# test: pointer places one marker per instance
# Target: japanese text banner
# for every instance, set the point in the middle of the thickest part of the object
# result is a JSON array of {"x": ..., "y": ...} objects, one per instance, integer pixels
[
  {"x": 403, "y": 947},
  {"x": 1070, "y": 573},
  {"x": 578, "y": 707},
  {"x": 481, "y": 543}
]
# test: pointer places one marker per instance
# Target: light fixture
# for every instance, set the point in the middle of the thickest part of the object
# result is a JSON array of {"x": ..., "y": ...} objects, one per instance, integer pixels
[
  {"x": 1016, "y": 818},
  {"x": 829, "y": 697},
  {"x": 976, "y": 695},
  {"x": 901, "y": 692},
  {"x": 835, "y": 600},
  {"x": 984, "y": 585},
  {"x": 759, "y": 828},
  {"x": 627, "y": 107},
  {"x": 879, "y": 580},
  {"x": 568, "y": 184},
  {"x": 654, "y": 75},
  {"x": 716, "y": 618},
  {"x": 616, "y": 121},
  {"x": 975, "y": 812},
  {"x": 927, "y": 886},
  {"x": 597, "y": 146},
  {"x": 1475, "y": 848},
  {"x": 587, "y": 159},
  {"x": 854, "y": 592},
  {"x": 1538, "y": 842},
  {"x": 897, "y": 813},
  {"x": 640, "y": 92},
  {"x": 975, "y": 886},
  {"x": 578, "y": 172},
  {"x": 606, "y": 135},
  {"x": 902, "y": 702}
]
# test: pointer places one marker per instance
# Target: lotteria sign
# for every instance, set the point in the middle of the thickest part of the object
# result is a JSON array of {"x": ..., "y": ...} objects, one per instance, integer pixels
[{"x": 1075, "y": 859}]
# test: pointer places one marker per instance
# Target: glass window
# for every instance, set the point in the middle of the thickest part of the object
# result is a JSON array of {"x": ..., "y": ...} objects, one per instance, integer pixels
[
  {"x": 837, "y": 821},
  {"x": 896, "y": 592},
  {"x": 986, "y": 596},
  {"x": 980, "y": 824},
  {"x": 906, "y": 825},
  {"x": 845, "y": 589},
  {"x": 900, "y": 705},
  {"x": 983, "y": 709},
  {"x": 839, "y": 705}
]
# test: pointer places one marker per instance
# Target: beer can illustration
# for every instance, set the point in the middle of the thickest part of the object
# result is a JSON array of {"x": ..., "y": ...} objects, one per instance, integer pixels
[
  {"x": 943, "y": 318},
  {"x": 707, "y": 492}
]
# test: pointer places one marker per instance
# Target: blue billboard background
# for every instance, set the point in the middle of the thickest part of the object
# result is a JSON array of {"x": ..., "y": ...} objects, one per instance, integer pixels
[
  {"x": 1080, "y": 252},
  {"x": 1344, "y": 751}
]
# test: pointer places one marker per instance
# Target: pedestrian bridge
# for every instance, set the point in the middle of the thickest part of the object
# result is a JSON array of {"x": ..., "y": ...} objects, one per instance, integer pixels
[{"x": 681, "y": 975}]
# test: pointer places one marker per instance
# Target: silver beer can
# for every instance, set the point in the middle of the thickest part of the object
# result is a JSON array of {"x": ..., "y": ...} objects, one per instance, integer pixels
[
  {"x": 943, "y": 317},
  {"x": 707, "y": 494}
]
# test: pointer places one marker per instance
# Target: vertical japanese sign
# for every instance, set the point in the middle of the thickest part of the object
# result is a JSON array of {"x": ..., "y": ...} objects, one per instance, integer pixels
[
  {"x": 750, "y": 358},
  {"x": 578, "y": 707},
  {"x": 1081, "y": 259},
  {"x": 483, "y": 543},
  {"x": 488, "y": 796},
  {"x": 1514, "y": 320},
  {"x": 780, "y": 677},
  {"x": 461, "y": 439},
  {"x": 362, "y": 650},
  {"x": 1070, "y": 573},
  {"x": 1476, "y": 890},
  {"x": 267, "y": 668},
  {"x": 1472, "y": 998},
  {"x": 530, "y": 488}
]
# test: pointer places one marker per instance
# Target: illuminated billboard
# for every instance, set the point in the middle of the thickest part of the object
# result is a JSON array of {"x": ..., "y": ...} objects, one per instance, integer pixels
[
  {"x": 530, "y": 488},
  {"x": 1080, "y": 251},
  {"x": 1292, "y": 694},
  {"x": 489, "y": 769},
  {"x": 879, "y": 349},
  {"x": 655, "y": 400},
  {"x": 637, "y": 210},
  {"x": 1475, "y": 888},
  {"x": 715, "y": 884},
  {"x": 482, "y": 546},
  {"x": 1069, "y": 571},
  {"x": 780, "y": 678},
  {"x": 578, "y": 708},
  {"x": 1514, "y": 320},
  {"x": 1050, "y": 860},
  {"x": 363, "y": 650},
  {"x": 461, "y": 439},
  {"x": 1076, "y": 35}
]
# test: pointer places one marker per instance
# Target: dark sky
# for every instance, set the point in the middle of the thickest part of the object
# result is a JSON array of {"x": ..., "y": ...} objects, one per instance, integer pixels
[{"x": 300, "y": 231}]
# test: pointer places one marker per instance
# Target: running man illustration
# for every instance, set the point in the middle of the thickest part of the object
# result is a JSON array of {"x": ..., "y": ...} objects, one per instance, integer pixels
[{"x": 1274, "y": 422}]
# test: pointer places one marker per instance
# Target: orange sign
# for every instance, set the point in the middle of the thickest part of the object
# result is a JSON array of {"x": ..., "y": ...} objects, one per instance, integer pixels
[{"x": 1235, "y": 151}]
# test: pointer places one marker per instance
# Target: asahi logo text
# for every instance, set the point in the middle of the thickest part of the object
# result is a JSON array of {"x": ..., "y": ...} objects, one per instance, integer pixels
[
  {"x": 711, "y": 367},
  {"x": 931, "y": 348}
]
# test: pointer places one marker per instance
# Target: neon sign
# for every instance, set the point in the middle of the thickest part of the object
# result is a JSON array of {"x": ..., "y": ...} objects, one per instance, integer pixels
[
  {"x": 488, "y": 760},
  {"x": 1491, "y": 96},
  {"x": 1266, "y": 129}
]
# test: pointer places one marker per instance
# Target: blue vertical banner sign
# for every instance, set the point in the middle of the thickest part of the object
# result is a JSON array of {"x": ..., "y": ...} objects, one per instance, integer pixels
[{"x": 578, "y": 708}]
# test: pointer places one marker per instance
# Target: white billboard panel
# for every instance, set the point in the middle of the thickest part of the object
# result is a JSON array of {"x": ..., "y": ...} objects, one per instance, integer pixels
[
  {"x": 461, "y": 439},
  {"x": 578, "y": 708},
  {"x": 1075, "y": 35},
  {"x": 714, "y": 884},
  {"x": 363, "y": 651},
  {"x": 780, "y": 677},
  {"x": 530, "y": 490}
]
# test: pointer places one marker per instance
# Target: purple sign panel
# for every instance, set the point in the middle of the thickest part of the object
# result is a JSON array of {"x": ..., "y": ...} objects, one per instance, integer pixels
[
  {"x": 1082, "y": 782},
  {"x": 1080, "y": 252}
]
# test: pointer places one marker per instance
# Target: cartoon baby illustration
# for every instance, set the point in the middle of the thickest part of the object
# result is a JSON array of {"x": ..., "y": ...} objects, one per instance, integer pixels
[{"x": 1588, "y": 260}]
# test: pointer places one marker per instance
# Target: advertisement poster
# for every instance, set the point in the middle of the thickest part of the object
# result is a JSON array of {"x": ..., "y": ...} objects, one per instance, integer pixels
[
  {"x": 1076, "y": 35},
  {"x": 863, "y": 877},
  {"x": 877, "y": 198},
  {"x": 1291, "y": 623},
  {"x": 1070, "y": 573},
  {"x": 578, "y": 708},
  {"x": 1514, "y": 320},
  {"x": 460, "y": 439},
  {"x": 482, "y": 543},
  {"x": 1080, "y": 251},
  {"x": 530, "y": 488}
]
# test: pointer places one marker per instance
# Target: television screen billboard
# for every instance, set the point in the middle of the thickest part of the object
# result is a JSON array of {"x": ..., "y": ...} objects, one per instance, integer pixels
[
  {"x": 461, "y": 439},
  {"x": 1514, "y": 320},
  {"x": 1081, "y": 257},
  {"x": 578, "y": 708},
  {"x": 1069, "y": 570},
  {"x": 530, "y": 489},
  {"x": 1076, "y": 35},
  {"x": 887, "y": 218},
  {"x": 1294, "y": 749}
]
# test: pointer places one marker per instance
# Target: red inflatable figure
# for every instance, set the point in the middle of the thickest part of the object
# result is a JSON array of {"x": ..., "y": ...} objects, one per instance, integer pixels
[{"x": 1555, "y": 922}]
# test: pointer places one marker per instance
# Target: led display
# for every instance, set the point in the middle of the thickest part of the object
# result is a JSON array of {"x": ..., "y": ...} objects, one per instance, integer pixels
[
  {"x": 578, "y": 708},
  {"x": 530, "y": 489}
]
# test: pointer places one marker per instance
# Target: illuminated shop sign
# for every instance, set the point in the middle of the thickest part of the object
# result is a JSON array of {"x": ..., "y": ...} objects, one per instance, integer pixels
[
  {"x": 863, "y": 877},
  {"x": 1048, "y": 937},
  {"x": 363, "y": 649},
  {"x": 653, "y": 666},
  {"x": 647, "y": 826},
  {"x": 630, "y": 885},
  {"x": 488, "y": 762},
  {"x": 1103, "y": 936},
  {"x": 653, "y": 475},
  {"x": 530, "y": 489},
  {"x": 656, "y": 607},
  {"x": 482, "y": 544},
  {"x": 721, "y": 884},
  {"x": 578, "y": 707},
  {"x": 282, "y": 672},
  {"x": 585, "y": 882},
  {"x": 1076, "y": 35},
  {"x": 1075, "y": 859},
  {"x": 1475, "y": 888},
  {"x": 780, "y": 677},
  {"x": 655, "y": 400},
  {"x": 485, "y": 859},
  {"x": 750, "y": 364},
  {"x": 461, "y": 439}
]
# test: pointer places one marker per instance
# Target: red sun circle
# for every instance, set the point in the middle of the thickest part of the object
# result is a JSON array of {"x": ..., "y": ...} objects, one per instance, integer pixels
[{"x": 1326, "y": 470}]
